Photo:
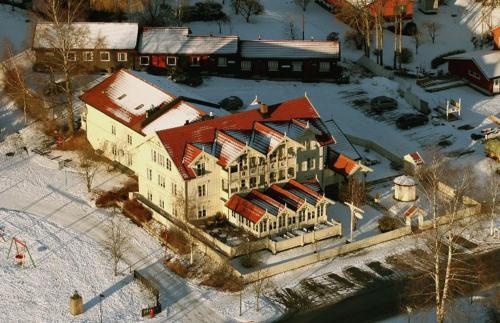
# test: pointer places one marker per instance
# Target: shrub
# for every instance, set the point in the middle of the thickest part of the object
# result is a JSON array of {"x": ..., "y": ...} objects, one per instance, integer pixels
[
  {"x": 388, "y": 223},
  {"x": 231, "y": 103},
  {"x": 223, "y": 278},
  {"x": 354, "y": 37},
  {"x": 439, "y": 60},
  {"x": 410, "y": 29},
  {"x": 203, "y": 11},
  {"x": 333, "y": 36},
  {"x": 136, "y": 212},
  {"x": 177, "y": 239},
  {"x": 109, "y": 198},
  {"x": 492, "y": 148},
  {"x": 177, "y": 267},
  {"x": 406, "y": 56}
]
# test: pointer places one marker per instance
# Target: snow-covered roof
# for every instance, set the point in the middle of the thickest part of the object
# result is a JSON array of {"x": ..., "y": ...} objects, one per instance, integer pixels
[
  {"x": 90, "y": 35},
  {"x": 134, "y": 95},
  {"x": 404, "y": 180},
  {"x": 488, "y": 61},
  {"x": 178, "y": 41},
  {"x": 174, "y": 117},
  {"x": 298, "y": 49}
]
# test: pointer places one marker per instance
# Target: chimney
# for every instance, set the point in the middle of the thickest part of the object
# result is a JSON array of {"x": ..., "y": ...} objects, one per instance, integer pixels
[
  {"x": 263, "y": 109},
  {"x": 187, "y": 122}
]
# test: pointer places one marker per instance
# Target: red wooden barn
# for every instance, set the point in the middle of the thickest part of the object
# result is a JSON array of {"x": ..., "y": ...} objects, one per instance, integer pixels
[{"x": 480, "y": 68}]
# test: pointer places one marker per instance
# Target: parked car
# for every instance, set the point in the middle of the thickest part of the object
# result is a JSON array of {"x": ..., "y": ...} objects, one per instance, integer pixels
[
  {"x": 231, "y": 103},
  {"x": 383, "y": 103},
  {"x": 411, "y": 120}
]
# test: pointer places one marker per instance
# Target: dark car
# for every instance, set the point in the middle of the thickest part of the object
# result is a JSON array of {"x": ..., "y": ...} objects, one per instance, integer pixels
[
  {"x": 383, "y": 103},
  {"x": 411, "y": 120}
]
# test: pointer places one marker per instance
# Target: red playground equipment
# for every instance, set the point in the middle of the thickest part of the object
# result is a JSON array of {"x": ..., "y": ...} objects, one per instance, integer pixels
[{"x": 21, "y": 248}]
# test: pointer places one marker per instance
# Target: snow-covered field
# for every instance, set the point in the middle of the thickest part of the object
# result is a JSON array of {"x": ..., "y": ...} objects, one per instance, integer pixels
[{"x": 15, "y": 27}]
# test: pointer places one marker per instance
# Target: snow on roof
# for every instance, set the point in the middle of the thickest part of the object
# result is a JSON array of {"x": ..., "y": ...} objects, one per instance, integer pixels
[
  {"x": 488, "y": 61},
  {"x": 293, "y": 49},
  {"x": 134, "y": 95},
  {"x": 404, "y": 180},
  {"x": 91, "y": 35},
  {"x": 174, "y": 117},
  {"x": 174, "y": 41}
]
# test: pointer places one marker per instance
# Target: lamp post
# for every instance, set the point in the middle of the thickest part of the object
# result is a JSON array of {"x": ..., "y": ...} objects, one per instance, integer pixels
[
  {"x": 356, "y": 213},
  {"x": 101, "y": 296}
]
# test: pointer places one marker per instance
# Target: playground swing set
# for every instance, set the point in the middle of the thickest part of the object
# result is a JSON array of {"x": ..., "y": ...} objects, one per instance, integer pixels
[{"x": 21, "y": 249}]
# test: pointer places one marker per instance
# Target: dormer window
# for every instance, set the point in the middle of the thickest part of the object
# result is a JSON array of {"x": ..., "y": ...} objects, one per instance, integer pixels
[{"x": 200, "y": 169}]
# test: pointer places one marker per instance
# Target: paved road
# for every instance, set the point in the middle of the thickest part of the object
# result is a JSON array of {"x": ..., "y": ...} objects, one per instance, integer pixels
[{"x": 29, "y": 187}]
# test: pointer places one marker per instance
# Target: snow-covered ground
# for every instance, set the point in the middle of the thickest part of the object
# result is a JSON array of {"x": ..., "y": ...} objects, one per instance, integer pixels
[
  {"x": 65, "y": 261},
  {"x": 15, "y": 26}
]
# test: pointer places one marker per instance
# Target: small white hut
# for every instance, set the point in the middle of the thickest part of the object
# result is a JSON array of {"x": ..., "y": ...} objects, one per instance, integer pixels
[{"x": 405, "y": 189}]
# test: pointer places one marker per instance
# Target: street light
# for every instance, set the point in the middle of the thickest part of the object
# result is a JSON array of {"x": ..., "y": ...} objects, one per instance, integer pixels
[
  {"x": 101, "y": 296},
  {"x": 356, "y": 212}
]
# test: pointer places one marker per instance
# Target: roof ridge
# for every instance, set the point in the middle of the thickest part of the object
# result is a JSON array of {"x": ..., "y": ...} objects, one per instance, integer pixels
[
  {"x": 266, "y": 198},
  {"x": 301, "y": 186}
]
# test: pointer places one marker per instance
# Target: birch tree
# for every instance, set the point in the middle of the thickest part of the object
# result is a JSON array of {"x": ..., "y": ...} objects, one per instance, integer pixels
[
  {"x": 185, "y": 210},
  {"x": 444, "y": 271},
  {"x": 247, "y": 8},
  {"x": 432, "y": 28},
  {"x": 62, "y": 37},
  {"x": 358, "y": 16}
]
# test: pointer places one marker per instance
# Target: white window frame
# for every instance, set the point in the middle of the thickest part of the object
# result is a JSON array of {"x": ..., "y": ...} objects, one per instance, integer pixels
[
  {"x": 474, "y": 74},
  {"x": 273, "y": 66},
  {"x": 324, "y": 66},
  {"x": 104, "y": 60},
  {"x": 141, "y": 62},
  {"x": 169, "y": 58},
  {"x": 196, "y": 61},
  {"x": 72, "y": 56},
  {"x": 297, "y": 66},
  {"x": 246, "y": 65},
  {"x": 86, "y": 56},
  {"x": 122, "y": 57},
  {"x": 222, "y": 61}
]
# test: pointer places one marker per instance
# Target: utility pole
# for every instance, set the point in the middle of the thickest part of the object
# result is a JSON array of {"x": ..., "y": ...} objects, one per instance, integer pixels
[
  {"x": 101, "y": 296},
  {"x": 241, "y": 292}
]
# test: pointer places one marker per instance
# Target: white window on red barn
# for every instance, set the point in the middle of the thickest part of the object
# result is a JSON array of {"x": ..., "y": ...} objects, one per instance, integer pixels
[
  {"x": 195, "y": 61},
  {"x": 71, "y": 56},
  {"x": 88, "y": 56},
  {"x": 121, "y": 57},
  {"x": 144, "y": 60},
  {"x": 272, "y": 66},
  {"x": 324, "y": 66},
  {"x": 297, "y": 66},
  {"x": 222, "y": 62},
  {"x": 104, "y": 56},
  {"x": 171, "y": 61},
  {"x": 246, "y": 65}
]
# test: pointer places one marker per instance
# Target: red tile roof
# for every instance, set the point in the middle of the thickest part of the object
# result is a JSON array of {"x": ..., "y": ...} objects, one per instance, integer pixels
[
  {"x": 245, "y": 208},
  {"x": 176, "y": 139},
  {"x": 344, "y": 165},
  {"x": 417, "y": 158}
]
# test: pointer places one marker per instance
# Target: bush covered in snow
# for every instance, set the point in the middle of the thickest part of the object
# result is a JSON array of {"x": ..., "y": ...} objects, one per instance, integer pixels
[
  {"x": 439, "y": 60},
  {"x": 388, "y": 223}
]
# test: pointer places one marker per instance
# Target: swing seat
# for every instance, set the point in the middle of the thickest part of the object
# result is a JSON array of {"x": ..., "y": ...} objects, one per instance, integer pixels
[{"x": 19, "y": 258}]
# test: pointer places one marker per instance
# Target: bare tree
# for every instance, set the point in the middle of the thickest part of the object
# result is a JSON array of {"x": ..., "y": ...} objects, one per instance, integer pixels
[
  {"x": 247, "y": 8},
  {"x": 62, "y": 37},
  {"x": 354, "y": 191},
  {"x": 259, "y": 286},
  {"x": 186, "y": 209},
  {"x": 358, "y": 16},
  {"x": 493, "y": 193},
  {"x": 157, "y": 13},
  {"x": 290, "y": 28},
  {"x": 443, "y": 271},
  {"x": 432, "y": 28},
  {"x": 15, "y": 86},
  {"x": 117, "y": 241},
  {"x": 417, "y": 39},
  {"x": 379, "y": 21},
  {"x": 89, "y": 168}
]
